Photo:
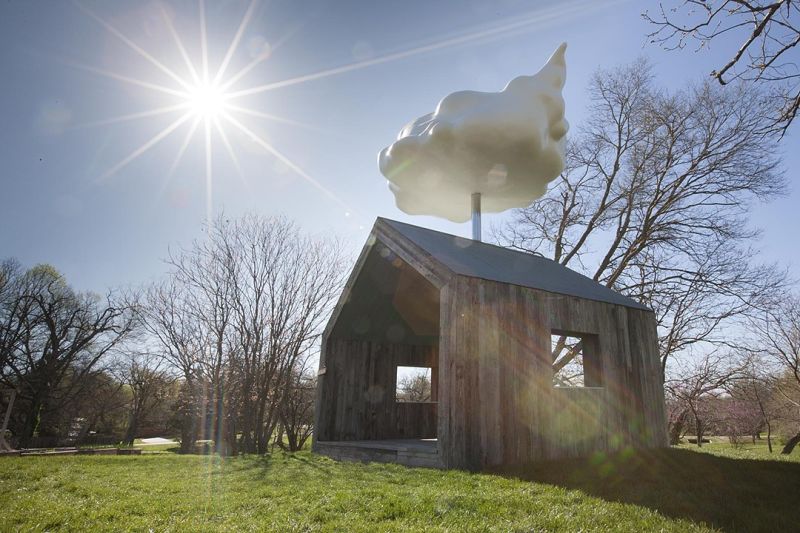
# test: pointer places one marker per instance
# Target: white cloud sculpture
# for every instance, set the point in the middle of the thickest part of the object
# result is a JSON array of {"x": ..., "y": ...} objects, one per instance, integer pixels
[{"x": 506, "y": 145}]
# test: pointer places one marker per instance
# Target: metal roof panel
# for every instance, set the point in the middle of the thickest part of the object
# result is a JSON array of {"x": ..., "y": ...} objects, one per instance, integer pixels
[{"x": 477, "y": 259}]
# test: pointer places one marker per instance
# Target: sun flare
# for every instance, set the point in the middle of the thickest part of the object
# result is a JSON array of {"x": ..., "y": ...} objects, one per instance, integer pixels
[
  {"x": 203, "y": 100},
  {"x": 206, "y": 101}
]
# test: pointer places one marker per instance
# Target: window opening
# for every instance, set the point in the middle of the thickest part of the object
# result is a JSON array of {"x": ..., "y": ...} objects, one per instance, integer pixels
[
  {"x": 568, "y": 360},
  {"x": 413, "y": 384}
]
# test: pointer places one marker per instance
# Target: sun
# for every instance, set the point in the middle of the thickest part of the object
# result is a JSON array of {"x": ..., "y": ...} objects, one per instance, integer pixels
[{"x": 206, "y": 101}]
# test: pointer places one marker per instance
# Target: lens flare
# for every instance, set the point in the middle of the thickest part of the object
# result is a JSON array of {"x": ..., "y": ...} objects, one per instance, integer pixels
[
  {"x": 206, "y": 101},
  {"x": 202, "y": 99}
]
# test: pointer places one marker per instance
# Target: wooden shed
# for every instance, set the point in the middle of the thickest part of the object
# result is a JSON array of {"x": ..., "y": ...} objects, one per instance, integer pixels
[{"x": 485, "y": 323}]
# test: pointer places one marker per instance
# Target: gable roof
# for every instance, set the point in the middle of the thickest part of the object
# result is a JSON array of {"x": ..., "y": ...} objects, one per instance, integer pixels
[{"x": 476, "y": 259}]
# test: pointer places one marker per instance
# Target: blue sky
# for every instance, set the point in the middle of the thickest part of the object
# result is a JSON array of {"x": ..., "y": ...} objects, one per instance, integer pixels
[{"x": 57, "y": 144}]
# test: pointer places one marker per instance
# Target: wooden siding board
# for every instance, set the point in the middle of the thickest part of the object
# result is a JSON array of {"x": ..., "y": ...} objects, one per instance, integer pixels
[
  {"x": 488, "y": 373},
  {"x": 444, "y": 388},
  {"x": 469, "y": 348}
]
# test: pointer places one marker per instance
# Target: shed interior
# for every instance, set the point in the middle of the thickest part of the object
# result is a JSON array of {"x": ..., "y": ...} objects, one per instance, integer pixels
[{"x": 390, "y": 320}]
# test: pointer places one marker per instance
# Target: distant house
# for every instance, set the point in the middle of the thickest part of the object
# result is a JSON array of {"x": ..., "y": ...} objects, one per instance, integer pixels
[{"x": 488, "y": 322}]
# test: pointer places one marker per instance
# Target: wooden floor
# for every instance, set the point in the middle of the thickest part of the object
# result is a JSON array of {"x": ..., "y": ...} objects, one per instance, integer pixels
[{"x": 409, "y": 452}]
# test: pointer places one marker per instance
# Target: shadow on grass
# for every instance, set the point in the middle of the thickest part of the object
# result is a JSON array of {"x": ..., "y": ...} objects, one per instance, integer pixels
[
  {"x": 310, "y": 462},
  {"x": 200, "y": 448},
  {"x": 278, "y": 460},
  {"x": 729, "y": 494}
]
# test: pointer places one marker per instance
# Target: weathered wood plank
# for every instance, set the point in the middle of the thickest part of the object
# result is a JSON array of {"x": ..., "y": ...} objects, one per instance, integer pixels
[{"x": 359, "y": 393}]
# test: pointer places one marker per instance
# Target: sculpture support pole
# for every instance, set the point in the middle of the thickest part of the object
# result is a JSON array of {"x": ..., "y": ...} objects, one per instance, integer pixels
[{"x": 476, "y": 216}]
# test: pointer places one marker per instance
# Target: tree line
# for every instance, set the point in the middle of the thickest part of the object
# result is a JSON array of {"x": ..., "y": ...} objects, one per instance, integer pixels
[
  {"x": 751, "y": 393},
  {"x": 219, "y": 349}
]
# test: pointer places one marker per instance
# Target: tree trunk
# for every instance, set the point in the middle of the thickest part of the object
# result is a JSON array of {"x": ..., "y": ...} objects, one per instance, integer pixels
[
  {"x": 133, "y": 427},
  {"x": 247, "y": 436},
  {"x": 790, "y": 445},
  {"x": 262, "y": 438},
  {"x": 676, "y": 430},
  {"x": 769, "y": 437},
  {"x": 48, "y": 432},
  {"x": 188, "y": 434},
  {"x": 30, "y": 424},
  {"x": 231, "y": 430},
  {"x": 700, "y": 431}
]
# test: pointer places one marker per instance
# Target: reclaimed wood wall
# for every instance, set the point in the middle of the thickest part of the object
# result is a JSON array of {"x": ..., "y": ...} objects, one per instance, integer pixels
[
  {"x": 356, "y": 393},
  {"x": 498, "y": 404}
]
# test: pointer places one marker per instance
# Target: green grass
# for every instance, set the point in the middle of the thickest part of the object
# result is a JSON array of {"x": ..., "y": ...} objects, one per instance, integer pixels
[
  {"x": 672, "y": 490},
  {"x": 721, "y": 447}
]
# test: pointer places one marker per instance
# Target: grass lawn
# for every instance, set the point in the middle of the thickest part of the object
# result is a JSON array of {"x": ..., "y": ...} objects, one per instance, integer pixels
[{"x": 679, "y": 489}]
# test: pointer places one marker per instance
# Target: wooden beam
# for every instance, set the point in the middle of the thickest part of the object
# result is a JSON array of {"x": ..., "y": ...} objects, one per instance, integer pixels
[{"x": 430, "y": 268}]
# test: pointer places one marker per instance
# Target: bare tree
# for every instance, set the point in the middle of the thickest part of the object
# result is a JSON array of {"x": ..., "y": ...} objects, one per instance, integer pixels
[
  {"x": 738, "y": 417},
  {"x": 653, "y": 202},
  {"x": 778, "y": 335},
  {"x": 786, "y": 405},
  {"x": 297, "y": 410},
  {"x": 414, "y": 388},
  {"x": 98, "y": 413},
  {"x": 239, "y": 311},
  {"x": 61, "y": 336},
  {"x": 149, "y": 386},
  {"x": 203, "y": 273},
  {"x": 284, "y": 285},
  {"x": 752, "y": 408},
  {"x": 678, "y": 416},
  {"x": 699, "y": 380},
  {"x": 768, "y": 30},
  {"x": 11, "y": 327},
  {"x": 172, "y": 325}
]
